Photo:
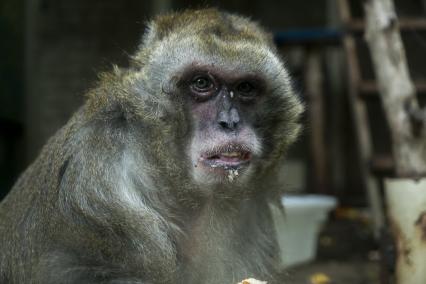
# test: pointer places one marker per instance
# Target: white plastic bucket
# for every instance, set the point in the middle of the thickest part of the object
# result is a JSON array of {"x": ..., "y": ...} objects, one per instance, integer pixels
[{"x": 298, "y": 227}]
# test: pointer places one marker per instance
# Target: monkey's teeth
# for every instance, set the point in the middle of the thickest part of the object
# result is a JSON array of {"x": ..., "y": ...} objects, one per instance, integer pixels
[{"x": 231, "y": 154}]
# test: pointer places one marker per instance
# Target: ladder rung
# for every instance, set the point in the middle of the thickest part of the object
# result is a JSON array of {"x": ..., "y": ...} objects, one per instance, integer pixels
[
  {"x": 368, "y": 87},
  {"x": 405, "y": 24}
]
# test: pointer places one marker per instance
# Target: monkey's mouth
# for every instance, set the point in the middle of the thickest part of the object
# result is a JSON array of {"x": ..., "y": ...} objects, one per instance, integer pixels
[{"x": 228, "y": 157}]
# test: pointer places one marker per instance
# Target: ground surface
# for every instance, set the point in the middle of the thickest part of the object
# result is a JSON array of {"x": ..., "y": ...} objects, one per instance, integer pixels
[
  {"x": 337, "y": 272},
  {"x": 347, "y": 254}
]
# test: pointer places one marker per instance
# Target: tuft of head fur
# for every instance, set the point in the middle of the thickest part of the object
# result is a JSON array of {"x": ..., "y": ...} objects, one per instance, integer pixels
[{"x": 201, "y": 24}]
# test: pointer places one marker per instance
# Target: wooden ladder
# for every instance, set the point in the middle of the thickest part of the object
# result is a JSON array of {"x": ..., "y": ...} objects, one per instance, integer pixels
[{"x": 373, "y": 166}]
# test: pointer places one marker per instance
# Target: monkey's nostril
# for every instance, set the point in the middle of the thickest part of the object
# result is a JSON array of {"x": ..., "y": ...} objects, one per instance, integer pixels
[
  {"x": 224, "y": 124},
  {"x": 228, "y": 125},
  {"x": 228, "y": 120}
]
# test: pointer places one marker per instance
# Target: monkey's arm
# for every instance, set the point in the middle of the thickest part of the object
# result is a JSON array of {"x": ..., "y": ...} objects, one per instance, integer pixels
[{"x": 106, "y": 228}]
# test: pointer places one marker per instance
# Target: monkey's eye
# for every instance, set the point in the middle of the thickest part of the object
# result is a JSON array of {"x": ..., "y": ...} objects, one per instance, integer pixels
[
  {"x": 245, "y": 87},
  {"x": 246, "y": 90},
  {"x": 202, "y": 84}
]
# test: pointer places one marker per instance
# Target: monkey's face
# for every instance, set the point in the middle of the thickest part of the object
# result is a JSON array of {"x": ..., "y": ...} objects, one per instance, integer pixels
[{"x": 222, "y": 106}]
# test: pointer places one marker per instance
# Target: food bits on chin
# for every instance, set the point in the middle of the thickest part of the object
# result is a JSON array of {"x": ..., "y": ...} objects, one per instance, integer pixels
[{"x": 252, "y": 281}]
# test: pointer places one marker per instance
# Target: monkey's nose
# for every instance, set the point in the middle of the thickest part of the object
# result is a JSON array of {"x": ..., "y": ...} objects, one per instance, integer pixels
[{"x": 229, "y": 120}]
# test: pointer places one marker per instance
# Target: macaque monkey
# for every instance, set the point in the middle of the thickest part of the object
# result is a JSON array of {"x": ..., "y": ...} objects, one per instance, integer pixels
[{"x": 165, "y": 174}]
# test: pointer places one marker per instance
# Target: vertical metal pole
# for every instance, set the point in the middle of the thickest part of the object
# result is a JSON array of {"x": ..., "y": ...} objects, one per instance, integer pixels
[{"x": 314, "y": 81}]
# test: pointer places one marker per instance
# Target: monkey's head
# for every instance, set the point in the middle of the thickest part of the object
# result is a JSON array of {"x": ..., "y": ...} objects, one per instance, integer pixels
[{"x": 219, "y": 78}]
